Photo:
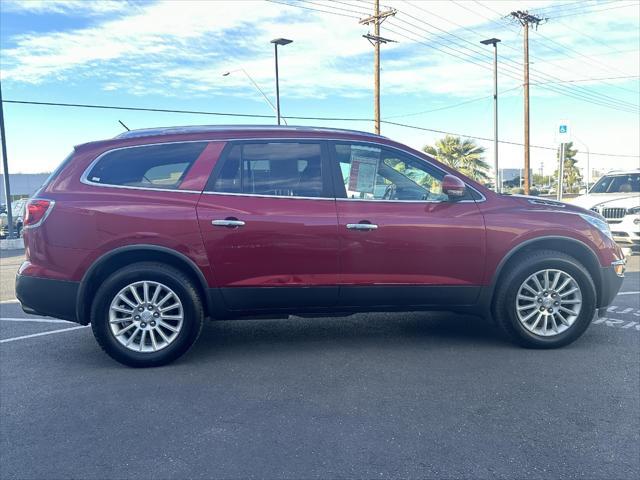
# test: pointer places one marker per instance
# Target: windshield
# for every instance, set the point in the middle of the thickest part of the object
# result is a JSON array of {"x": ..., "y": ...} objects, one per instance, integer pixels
[{"x": 618, "y": 184}]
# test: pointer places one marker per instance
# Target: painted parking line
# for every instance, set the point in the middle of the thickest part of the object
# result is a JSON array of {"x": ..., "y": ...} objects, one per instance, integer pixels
[
  {"x": 13, "y": 300},
  {"x": 23, "y": 337},
  {"x": 37, "y": 320},
  {"x": 629, "y": 293},
  {"x": 618, "y": 323}
]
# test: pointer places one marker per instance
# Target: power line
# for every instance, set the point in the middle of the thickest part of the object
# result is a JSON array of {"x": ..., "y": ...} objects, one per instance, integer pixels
[
  {"x": 507, "y": 142},
  {"x": 596, "y": 11},
  {"x": 311, "y": 8},
  {"x": 585, "y": 92},
  {"x": 566, "y": 47},
  {"x": 567, "y": 90},
  {"x": 553, "y": 10},
  {"x": 324, "y": 5},
  {"x": 552, "y": 7},
  {"x": 137, "y": 109},
  {"x": 247, "y": 115},
  {"x": 576, "y": 80},
  {"x": 593, "y": 61},
  {"x": 446, "y": 107},
  {"x": 584, "y": 34}
]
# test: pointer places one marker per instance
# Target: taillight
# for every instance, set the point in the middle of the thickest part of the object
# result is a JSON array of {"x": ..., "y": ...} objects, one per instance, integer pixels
[{"x": 36, "y": 212}]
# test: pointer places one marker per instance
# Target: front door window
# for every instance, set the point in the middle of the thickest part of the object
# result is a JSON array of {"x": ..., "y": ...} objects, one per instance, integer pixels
[{"x": 372, "y": 173}]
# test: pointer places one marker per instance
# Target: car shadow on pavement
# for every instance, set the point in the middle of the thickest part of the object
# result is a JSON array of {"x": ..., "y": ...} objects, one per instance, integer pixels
[{"x": 437, "y": 330}]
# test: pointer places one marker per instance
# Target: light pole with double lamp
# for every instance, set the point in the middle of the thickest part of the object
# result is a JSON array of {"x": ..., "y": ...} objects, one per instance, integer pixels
[{"x": 276, "y": 42}]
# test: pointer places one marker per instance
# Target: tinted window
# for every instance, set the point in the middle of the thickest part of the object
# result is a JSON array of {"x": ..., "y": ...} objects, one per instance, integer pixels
[
  {"x": 151, "y": 166},
  {"x": 372, "y": 173},
  {"x": 283, "y": 169},
  {"x": 618, "y": 184}
]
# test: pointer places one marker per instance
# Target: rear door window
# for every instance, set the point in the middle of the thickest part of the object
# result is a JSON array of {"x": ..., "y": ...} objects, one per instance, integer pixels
[
  {"x": 283, "y": 169},
  {"x": 151, "y": 166}
]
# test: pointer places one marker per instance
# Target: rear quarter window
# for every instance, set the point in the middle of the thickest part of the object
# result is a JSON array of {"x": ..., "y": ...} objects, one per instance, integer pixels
[{"x": 151, "y": 166}]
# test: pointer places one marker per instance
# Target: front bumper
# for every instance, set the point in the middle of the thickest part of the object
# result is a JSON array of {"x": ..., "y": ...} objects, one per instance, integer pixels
[
  {"x": 610, "y": 283},
  {"x": 48, "y": 297}
]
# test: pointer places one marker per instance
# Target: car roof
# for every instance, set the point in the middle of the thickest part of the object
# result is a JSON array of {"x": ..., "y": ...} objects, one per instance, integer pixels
[
  {"x": 621, "y": 172},
  {"x": 237, "y": 129}
]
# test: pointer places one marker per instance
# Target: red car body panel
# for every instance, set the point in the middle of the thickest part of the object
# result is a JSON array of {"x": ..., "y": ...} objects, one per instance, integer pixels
[
  {"x": 426, "y": 244},
  {"x": 286, "y": 241}
]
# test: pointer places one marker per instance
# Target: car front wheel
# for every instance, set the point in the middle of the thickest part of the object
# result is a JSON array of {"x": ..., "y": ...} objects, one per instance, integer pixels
[{"x": 546, "y": 299}]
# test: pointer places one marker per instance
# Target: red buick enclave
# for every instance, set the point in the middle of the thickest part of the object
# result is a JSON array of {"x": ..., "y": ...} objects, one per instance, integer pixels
[{"x": 147, "y": 234}]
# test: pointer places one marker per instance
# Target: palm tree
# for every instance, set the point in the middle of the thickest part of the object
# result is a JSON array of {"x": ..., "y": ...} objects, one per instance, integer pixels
[
  {"x": 571, "y": 177},
  {"x": 462, "y": 154}
]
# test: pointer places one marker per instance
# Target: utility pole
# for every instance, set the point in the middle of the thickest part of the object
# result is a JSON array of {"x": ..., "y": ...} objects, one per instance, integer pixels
[
  {"x": 5, "y": 168},
  {"x": 494, "y": 42},
  {"x": 376, "y": 19},
  {"x": 525, "y": 19}
]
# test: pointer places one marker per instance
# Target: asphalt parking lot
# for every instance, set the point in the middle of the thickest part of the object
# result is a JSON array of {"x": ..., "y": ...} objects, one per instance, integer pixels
[{"x": 419, "y": 395}]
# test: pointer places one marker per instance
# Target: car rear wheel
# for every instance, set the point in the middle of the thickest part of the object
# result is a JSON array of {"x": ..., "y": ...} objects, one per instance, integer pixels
[
  {"x": 546, "y": 299},
  {"x": 146, "y": 314}
]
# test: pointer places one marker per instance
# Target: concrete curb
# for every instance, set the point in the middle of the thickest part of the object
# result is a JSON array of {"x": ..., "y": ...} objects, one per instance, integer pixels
[{"x": 11, "y": 244}]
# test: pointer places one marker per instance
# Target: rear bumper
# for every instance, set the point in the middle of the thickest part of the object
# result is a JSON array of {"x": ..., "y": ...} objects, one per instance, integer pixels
[
  {"x": 44, "y": 296},
  {"x": 610, "y": 283}
]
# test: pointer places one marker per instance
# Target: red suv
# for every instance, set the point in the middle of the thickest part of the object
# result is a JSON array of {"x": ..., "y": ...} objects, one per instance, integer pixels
[{"x": 145, "y": 235}]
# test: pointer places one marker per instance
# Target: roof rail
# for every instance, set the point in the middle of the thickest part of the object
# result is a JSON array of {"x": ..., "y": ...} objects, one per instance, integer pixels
[{"x": 145, "y": 132}]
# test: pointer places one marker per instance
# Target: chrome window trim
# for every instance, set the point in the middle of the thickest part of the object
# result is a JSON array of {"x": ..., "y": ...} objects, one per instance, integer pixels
[
  {"x": 84, "y": 177},
  {"x": 259, "y": 195},
  {"x": 406, "y": 201},
  {"x": 86, "y": 181}
]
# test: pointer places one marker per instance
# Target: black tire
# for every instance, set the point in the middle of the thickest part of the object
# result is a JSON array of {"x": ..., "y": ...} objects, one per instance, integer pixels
[
  {"x": 149, "y": 271},
  {"x": 505, "y": 300}
]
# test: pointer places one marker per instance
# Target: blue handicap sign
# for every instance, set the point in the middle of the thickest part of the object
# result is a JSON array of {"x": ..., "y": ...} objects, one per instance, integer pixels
[{"x": 563, "y": 129}]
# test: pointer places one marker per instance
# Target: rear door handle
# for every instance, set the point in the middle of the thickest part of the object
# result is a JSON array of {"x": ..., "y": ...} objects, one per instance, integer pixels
[
  {"x": 228, "y": 222},
  {"x": 361, "y": 226}
]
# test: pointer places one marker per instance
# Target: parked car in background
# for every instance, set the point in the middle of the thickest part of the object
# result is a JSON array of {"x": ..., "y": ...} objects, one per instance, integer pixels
[
  {"x": 17, "y": 213},
  {"x": 616, "y": 196},
  {"x": 145, "y": 235}
]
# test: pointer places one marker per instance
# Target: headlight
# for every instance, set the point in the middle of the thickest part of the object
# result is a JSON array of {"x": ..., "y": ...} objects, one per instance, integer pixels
[
  {"x": 600, "y": 224},
  {"x": 633, "y": 211}
]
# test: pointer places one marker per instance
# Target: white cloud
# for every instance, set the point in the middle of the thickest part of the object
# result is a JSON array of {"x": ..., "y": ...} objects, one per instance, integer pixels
[
  {"x": 189, "y": 44},
  {"x": 66, "y": 7},
  {"x": 182, "y": 48}
]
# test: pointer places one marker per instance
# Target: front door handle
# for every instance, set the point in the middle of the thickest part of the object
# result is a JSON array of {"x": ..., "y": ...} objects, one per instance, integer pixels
[
  {"x": 228, "y": 222},
  {"x": 361, "y": 226}
]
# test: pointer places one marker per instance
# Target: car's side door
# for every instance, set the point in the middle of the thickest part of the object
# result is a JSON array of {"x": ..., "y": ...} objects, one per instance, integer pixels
[
  {"x": 402, "y": 241},
  {"x": 268, "y": 221}
]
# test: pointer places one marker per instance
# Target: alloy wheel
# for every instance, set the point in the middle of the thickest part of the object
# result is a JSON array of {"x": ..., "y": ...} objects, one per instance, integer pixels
[
  {"x": 146, "y": 316},
  {"x": 548, "y": 302}
]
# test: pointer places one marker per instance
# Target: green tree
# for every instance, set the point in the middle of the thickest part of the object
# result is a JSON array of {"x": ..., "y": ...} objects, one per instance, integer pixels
[
  {"x": 462, "y": 154},
  {"x": 571, "y": 175}
]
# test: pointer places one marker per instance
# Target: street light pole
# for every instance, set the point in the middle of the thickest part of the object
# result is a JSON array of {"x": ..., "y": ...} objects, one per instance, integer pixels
[
  {"x": 494, "y": 42},
  {"x": 264, "y": 95},
  {"x": 5, "y": 169},
  {"x": 276, "y": 42}
]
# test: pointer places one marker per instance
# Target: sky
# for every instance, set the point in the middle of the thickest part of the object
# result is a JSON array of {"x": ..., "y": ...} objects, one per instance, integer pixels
[{"x": 435, "y": 74}]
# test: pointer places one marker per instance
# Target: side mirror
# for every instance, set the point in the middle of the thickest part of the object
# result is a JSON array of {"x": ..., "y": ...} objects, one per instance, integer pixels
[{"x": 453, "y": 187}]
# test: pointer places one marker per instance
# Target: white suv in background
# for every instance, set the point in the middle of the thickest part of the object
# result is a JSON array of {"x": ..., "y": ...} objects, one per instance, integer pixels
[{"x": 616, "y": 196}]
